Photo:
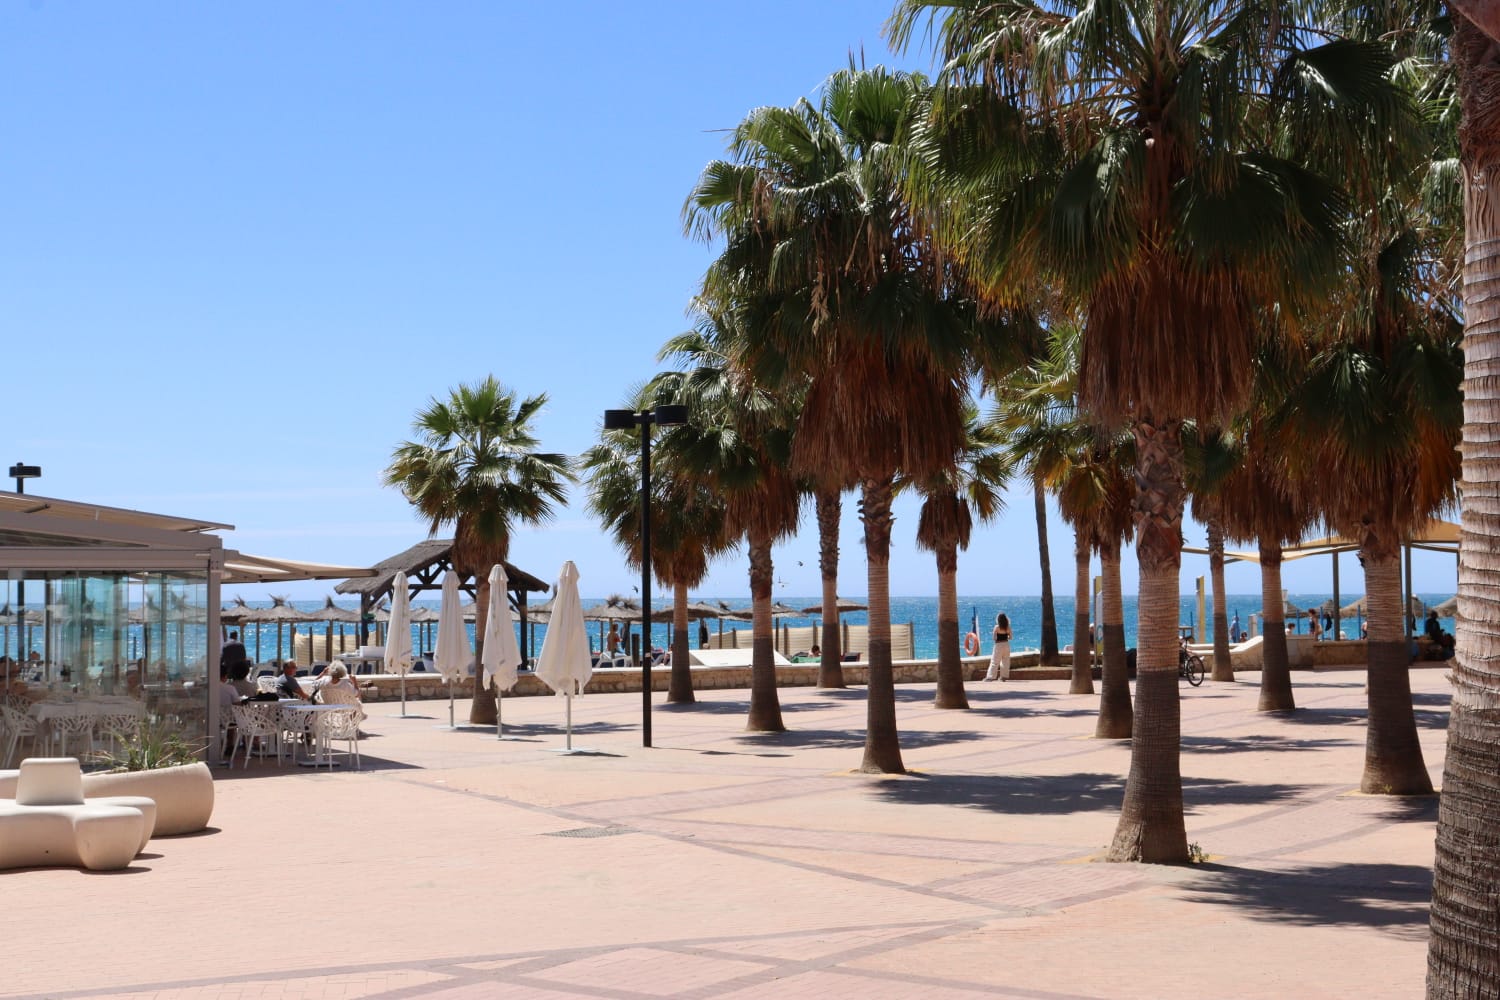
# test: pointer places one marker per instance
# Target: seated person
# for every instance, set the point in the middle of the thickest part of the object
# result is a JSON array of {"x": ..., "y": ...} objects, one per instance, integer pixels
[
  {"x": 1434, "y": 631},
  {"x": 339, "y": 689},
  {"x": 228, "y": 698},
  {"x": 287, "y": 686},
  {"x": 239, "y": 676}
]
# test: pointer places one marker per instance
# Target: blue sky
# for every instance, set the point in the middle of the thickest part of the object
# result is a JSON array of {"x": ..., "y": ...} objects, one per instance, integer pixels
[{"x": 240, "y": 245}]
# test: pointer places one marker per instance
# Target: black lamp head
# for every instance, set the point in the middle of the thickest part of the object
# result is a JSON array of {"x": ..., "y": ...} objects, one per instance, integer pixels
[
  {"x": 19, "y": 471},
  {"x": 619, "y": 420},
  {"x": 671, "y": 415}
]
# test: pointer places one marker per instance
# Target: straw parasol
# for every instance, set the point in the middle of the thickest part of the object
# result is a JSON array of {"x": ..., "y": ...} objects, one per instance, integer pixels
[
  {"x": 333, "y": 614},
  {"x": 842, "y": 606},
  {"x": 1358, "y": 609},
  {"x": 696, "y": 611},
  {"x": 1448, "y": 608}
]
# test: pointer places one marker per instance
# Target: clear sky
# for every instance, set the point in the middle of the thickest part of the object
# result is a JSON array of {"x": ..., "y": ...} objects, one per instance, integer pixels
[{"x": 241, "y": 244}]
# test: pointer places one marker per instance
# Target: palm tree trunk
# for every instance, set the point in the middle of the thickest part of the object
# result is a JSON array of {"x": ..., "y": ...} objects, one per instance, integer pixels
[
  {"x": 1463, "y": 959},
  {"x": 1275, "y": 668},
  {"x": 950, "y": 670},
  {"x": 1049, "y": 613},
  {"x": 829, "y": 508},
  {"x": 1393, "y": 753},
  {"x": 1151, "y": 826},
  {"x": 765, "y": 706},
  {"x": 882, "y": 741},
  {"x": 1223, "y": 665},
  {"x": 1115, "y": 715},
  {"x": 680, "y": 687},
  {"x": 1082, "y": 681},
  {"x": 482, "y": 708}
]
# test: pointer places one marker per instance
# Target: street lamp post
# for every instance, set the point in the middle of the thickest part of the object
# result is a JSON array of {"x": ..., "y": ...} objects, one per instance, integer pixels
[
  {"x": 21, "y": 472},
  {"x": 666, "y": 416}
]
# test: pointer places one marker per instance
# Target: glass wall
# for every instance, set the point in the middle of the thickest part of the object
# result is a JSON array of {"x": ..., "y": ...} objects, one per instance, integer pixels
[{"x": 115, "y": 645}]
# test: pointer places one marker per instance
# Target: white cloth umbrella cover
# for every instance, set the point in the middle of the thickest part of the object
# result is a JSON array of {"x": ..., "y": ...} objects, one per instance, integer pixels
[
  {"x": 564, "y": 665},
  {"x": 453, "y": 654},
  {"x": 398, "y": 632},
  {"x": 501, "y": 655}
]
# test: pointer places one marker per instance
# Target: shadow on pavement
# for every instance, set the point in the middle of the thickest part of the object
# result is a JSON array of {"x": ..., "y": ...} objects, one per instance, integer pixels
[
  {"x": 1060, "y": 794},
  {"x": 855, "y": 738},
  {"x": 1394, "y": 897},
  {"x": 1243, "y": 744}
]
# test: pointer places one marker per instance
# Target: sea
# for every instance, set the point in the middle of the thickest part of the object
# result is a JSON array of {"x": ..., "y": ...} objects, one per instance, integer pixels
[{"x": 1025, "y": 613}]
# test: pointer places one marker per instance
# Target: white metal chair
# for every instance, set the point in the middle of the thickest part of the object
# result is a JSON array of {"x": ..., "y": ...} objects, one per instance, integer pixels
[
  {"x": 256, "y": 720},
  {"x": 331, "y": 695},
  {"x": 338, "y": 724},
  {"x": 15, "y": 726}
]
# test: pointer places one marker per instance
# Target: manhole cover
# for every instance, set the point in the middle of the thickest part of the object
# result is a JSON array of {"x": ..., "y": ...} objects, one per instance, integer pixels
[{"x": 590, "y": 831}]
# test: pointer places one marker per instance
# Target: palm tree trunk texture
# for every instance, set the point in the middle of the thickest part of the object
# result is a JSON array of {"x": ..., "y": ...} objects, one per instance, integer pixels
[
  {"x": 1151, "y": 826},
  {"x": 1463, "y": 958},
  {"x": 1082, "y": 681},
  {"x": 765, "y": 705},
  {"x": 482, "y": 708},
  {"x": 1275, "y": 668},
  {"x": 882, "y": 742},
  {"x": 680, "y": 687},
  {"x": 1223, "y": 665},
  {"x": 1049, "y": 614},
  {"x": 950, "y": 669},
  {"x": 829, "y": 508},
  {"x": 1393, "y": 753},
  {"x": 1115, "y": 715}
]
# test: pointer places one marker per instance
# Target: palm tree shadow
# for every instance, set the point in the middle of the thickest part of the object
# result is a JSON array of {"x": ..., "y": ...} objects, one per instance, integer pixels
[
  {"x": 854, "y": 738},
  {"x": 1029, "y": 794},
  {"x": 1386, "y": 896},
  {"x": 1224, "y": 744}
]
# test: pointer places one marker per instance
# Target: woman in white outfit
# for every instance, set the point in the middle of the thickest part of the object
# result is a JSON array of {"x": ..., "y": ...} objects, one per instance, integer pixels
[{"x": 1000, "y": 658}]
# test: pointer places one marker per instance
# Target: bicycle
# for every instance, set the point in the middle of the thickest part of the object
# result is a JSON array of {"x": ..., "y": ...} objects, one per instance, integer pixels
[{"x": 1190, "y": 666}]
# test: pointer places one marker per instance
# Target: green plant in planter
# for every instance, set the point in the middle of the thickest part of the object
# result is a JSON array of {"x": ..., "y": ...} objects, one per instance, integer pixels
[{"x": 151, "y": 745}]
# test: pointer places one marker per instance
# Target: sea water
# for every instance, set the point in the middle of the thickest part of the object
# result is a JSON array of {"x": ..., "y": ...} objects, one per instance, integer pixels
[{"x": 1025, "y": 613}]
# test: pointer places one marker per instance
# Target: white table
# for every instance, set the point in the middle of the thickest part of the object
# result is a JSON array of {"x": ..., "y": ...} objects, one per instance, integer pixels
[
  {"x": 290, "y": 707},
  {"x": 82, "y": 716}
]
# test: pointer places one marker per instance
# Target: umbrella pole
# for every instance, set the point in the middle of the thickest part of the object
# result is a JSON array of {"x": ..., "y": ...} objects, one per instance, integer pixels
[
  {"x": 499, "y": 719},
  {"x": 570, "y": 715},
  {"x": 403, "y": 692},
  {"x": 450, "y": 706}
]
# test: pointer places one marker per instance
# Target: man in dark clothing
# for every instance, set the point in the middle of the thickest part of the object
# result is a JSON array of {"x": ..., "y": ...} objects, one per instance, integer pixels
[
  {"x": 702, "y": 634},
  {"x": 233, "y": 652}
]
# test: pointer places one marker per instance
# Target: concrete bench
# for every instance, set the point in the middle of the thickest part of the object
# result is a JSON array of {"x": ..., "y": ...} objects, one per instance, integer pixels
[{"x": 48, "y": 823}]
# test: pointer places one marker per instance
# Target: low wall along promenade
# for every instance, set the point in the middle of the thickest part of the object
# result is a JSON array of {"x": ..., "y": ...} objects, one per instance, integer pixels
[{"x": 1304, "y": 654}]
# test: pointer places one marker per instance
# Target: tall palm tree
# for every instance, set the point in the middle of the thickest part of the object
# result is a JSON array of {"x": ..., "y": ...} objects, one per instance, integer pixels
[
  {"x": 1464, "y": 956},
  {"x": 1168, "y": 182},
  {"x": 1212, "y": 454},
  {"x": 828, "y": 506},
  {"x": 687, "y": 522},
  {"x": 845, "y": 291},
  {"x": 738, "y": 441},
  {"x": 951, "y": 503},
  {"x": 476, "y": 468}
]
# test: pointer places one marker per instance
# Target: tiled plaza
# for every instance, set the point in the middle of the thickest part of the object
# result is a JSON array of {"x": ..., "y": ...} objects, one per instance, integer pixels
[{"x": 727, "y": 864}]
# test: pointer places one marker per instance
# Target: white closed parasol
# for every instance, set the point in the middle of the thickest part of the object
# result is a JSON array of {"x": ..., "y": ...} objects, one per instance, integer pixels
[
  {"x": 565, "y": 664},
  {"x": 398, "y": 635},
  {"x": 453, "y": 654},
  {"x": 502, "y": 656}
]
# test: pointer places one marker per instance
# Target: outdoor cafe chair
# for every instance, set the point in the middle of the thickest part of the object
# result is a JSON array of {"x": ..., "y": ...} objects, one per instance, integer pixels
[
  {"x": 16, "y": 726},
  {"x": 256, "y": 720},
  {"x": 338, "y": 724}
]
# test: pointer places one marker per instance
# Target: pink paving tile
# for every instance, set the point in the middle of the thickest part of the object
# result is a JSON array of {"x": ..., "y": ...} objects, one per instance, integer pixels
[{"x": 648, "y": 971}]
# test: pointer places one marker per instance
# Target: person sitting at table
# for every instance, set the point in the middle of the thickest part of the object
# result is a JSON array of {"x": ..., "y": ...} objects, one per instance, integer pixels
[
  {"x": 239, "y": 676},
  {"x": 228, "y": 698},
  {"x": 287, "y": 686},
  {"x": 340, "y": 690}
]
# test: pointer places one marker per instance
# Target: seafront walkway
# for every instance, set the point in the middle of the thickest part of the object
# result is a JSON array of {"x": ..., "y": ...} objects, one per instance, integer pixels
[{"x": 727, "y": 864}]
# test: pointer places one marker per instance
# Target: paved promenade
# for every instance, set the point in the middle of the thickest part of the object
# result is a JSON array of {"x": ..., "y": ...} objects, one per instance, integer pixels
[{"x": 725, "y": 864}]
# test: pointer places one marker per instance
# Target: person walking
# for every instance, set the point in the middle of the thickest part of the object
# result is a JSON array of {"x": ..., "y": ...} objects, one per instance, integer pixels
[{"x": 1000, "y": 657}]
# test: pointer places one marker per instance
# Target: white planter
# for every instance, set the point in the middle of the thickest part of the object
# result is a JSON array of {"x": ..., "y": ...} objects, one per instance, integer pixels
[{"x": 184, "y": 794}]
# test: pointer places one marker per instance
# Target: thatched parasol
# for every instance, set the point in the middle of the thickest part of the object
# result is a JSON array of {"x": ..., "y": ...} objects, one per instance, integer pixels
[
  {"x": 1358, "y": 609},
  {"x": 842, "y": 606},
  {"x": 1448, "y": 608},
  {"x": 279, "y": 612}
]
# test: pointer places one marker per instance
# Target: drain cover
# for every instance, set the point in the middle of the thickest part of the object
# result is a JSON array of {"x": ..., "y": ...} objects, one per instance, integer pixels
[{"x": 590, "y": 831}]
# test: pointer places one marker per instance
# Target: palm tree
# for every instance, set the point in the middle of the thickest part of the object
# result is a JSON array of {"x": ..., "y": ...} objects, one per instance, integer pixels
[
  {"x": 1167, "y": 182},
  {"x": 687, "y": 523},
  {"x": 828, "y": 505},
  {"x": 1464, "y": 956},
  {"x": 1038, "y": 409},
  {"x": 738, "y": 443},
  {"x": 1211, "y": 455},
  {"x": 952, "y": 502},
  {"x": 843, "y": 289},
  {"x": 476, "y": 468}
]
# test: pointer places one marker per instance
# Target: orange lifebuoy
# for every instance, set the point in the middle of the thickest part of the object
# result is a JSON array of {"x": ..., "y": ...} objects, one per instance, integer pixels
[{"x": 971, "y": 644}]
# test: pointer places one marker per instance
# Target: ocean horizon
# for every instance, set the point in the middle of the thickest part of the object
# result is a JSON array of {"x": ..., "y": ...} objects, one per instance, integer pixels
[{"x": 1025, "y": 611}]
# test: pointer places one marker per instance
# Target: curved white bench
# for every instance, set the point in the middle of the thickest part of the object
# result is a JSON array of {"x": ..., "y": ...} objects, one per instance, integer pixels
[{"x": 48, "y": 823}]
